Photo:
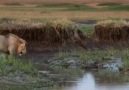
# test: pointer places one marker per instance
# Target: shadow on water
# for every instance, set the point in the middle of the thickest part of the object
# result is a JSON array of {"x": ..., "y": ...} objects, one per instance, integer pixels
[{"x": 89, "y": 82}]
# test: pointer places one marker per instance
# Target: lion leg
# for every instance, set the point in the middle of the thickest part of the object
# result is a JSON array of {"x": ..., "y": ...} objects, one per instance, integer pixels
[
  {"x": 8, "y": 56},
  {"x": 11, "y": 53}
]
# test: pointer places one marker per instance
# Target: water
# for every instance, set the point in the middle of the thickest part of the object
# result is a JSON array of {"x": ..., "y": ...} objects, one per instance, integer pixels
[{"x": 89, "y": 82}]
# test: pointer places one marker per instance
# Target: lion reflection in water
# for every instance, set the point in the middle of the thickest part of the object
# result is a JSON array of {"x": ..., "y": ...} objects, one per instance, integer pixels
[{"x": 12, "y": 45}]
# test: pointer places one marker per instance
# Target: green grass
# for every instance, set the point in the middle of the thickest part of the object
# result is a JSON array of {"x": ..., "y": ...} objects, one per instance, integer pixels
[
  {"x": 97, "y": 55},
  {"x": 81, "y": 7},
  {"x": 110, "y": 4},
  {"x": 84, "y": 7},
  {"x": 87, "y": 30},
  {"x": 68, "y": 6},
  {"x": 59, "y": 5},
  {"x": 27, "y": 86},
  {"x": 114, "y": 7},
  {"x": 16, "y": 65},
  {"x": 13, "y": 4},
  {"x": 119, "y": 8}
]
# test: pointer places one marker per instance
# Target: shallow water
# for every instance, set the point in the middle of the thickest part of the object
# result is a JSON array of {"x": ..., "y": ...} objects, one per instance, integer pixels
[{"x": 90, "y": 82}]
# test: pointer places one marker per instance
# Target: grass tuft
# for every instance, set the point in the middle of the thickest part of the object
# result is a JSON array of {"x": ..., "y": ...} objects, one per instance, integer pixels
[
  {"x": 111, "y": 22},
  {"x": 96, "y": 55},
  {"x": 14, "y": 66},
  {"x": 50, "y": 30},
  {"x": 88, "y": 30},
  {"x": 112, "y": 30}
]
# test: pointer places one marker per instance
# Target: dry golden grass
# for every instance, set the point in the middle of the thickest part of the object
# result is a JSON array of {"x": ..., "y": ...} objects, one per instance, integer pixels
[
  {"x": 112, "y": 30},
  {"x": 47, "y": 31},
  {"x": 28, "y": 11},
  {"x": 52, "y": 30},
  {"x": 67, "y": 14},
  {"x": 61, "y": 1},
  {"x": 113, "y": 23}
]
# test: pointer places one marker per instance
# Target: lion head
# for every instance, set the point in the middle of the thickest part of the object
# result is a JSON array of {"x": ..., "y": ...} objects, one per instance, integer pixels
[
  {"x": 21, "y": 48},
  {"x": 16, "y": 45}
]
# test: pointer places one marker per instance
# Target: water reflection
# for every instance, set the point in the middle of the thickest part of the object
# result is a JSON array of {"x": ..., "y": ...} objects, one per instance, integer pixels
[{"x": 88, "y": 83}]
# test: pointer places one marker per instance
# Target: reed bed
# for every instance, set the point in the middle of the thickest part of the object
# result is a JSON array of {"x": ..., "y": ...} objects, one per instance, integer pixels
[{"x": 112, "y": 30}]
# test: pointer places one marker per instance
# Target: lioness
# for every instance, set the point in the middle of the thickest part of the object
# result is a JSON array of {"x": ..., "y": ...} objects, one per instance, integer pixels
[{"x": 12, "y": 45}]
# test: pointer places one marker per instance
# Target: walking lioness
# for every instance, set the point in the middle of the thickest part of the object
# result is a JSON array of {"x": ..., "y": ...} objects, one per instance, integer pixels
[{"x": 12, "y": 45}]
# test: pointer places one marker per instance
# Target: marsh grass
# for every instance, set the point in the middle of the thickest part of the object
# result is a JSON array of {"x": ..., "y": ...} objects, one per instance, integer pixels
[
  {"x": 97, "y": 55},
  {"x": 12, "y": 66},
  {"x": 27, "y": 86}
]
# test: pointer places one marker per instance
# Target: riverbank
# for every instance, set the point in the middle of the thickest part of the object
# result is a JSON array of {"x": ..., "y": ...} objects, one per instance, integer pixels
[{"x": 58, "y": 62}]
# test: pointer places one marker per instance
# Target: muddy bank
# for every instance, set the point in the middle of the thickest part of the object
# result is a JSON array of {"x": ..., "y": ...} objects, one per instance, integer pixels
[
  {"x": 24, "y": 82},
  {"x": 40, "y": 52},
  {"x": 41, "y": 55}
]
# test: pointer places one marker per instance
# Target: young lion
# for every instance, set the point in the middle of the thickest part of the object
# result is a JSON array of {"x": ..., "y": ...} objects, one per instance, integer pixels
[{"x": 12, "y": 45}]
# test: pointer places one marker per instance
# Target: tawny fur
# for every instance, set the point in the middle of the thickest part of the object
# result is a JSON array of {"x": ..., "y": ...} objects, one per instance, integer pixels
[{"x": 12, "y": 45}]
